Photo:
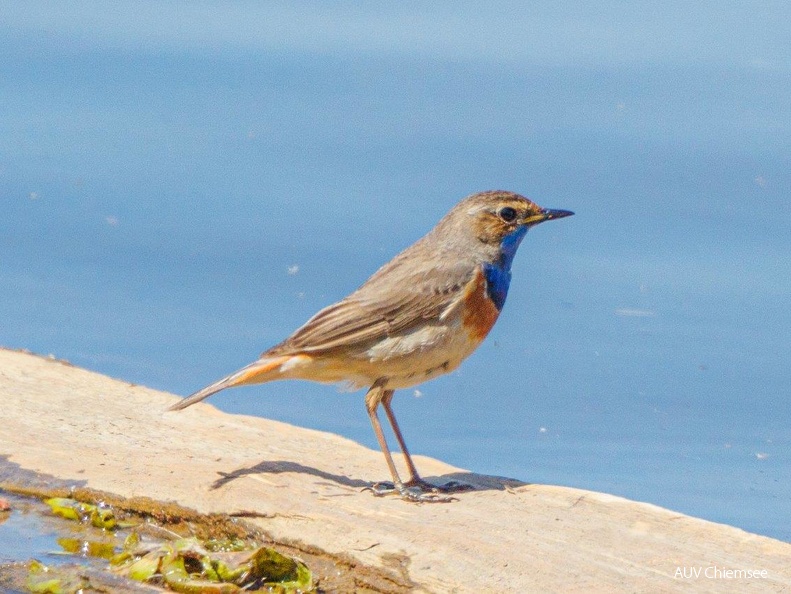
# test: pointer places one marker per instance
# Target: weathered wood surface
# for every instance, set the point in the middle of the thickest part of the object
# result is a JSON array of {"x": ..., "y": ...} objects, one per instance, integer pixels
[{"x": 506, "y": 536}]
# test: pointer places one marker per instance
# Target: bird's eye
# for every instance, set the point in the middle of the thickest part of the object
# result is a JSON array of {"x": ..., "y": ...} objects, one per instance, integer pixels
[{"x": 508, "y": 214}]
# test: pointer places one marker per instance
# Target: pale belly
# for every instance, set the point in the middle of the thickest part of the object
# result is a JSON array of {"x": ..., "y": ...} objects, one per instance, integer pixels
[{"x": 421, "y": 355}]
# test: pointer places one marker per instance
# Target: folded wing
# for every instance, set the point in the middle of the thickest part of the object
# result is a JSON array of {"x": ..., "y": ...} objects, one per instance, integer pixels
[{"x": 378, "y": 309}]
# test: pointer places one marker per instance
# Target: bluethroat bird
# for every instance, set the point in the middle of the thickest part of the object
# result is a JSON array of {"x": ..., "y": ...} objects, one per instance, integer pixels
[{"x": 419, "y": 316}]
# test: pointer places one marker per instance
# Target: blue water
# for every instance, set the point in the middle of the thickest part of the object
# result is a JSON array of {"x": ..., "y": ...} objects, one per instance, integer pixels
[
  {"x": 183, "y": 185},
  {"x": 31, "y": 531}
]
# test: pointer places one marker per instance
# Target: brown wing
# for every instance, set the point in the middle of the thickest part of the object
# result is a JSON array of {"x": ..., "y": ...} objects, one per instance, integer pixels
[{"x": 380, "y": 308}]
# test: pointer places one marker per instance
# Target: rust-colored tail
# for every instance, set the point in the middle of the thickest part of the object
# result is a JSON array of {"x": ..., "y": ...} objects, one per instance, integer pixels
[{"x": 257, "y": 372}]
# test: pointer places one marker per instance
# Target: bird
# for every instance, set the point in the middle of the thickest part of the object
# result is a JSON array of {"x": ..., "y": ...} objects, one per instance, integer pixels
[{"x": 417, "y": 317}]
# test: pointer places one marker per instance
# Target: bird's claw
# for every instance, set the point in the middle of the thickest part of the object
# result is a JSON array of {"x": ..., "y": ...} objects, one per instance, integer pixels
[{"x": 418, "y": 490}]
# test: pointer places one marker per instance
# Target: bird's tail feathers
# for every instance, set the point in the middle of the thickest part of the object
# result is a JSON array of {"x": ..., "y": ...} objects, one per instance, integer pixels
[{"x": 256, "y": 373}]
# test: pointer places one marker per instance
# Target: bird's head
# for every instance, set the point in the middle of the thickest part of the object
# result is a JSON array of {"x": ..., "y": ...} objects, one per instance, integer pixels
[{"x": 499, "y": 218}]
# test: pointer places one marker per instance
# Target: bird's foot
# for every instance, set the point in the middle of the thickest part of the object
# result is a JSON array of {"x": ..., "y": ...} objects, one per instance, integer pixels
[
  {"x": 409, "y": 492},
  {"x": 419, "y": 491}
]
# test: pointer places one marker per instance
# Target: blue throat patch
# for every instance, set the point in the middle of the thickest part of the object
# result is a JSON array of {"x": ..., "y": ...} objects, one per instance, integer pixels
[{"x": 498, "y": 274}]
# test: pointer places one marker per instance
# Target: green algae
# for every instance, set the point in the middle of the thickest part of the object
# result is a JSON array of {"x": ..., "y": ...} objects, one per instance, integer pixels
[
  {"x": 99, "y": 516},
  {"x": 188, "y": 565},
  {"x": 46, "y": 580}
]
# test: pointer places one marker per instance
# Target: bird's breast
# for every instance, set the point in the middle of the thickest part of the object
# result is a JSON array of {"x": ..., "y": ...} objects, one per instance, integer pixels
[
  {"x": 483, "y": 299},
  {"x": 498, "y": 279}
]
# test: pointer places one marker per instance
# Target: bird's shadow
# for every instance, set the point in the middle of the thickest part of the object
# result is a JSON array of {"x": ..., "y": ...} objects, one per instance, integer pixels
[{"x": 477, "y": 482}]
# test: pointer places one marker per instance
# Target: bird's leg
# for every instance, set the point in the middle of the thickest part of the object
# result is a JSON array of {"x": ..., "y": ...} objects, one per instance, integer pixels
[
  {"x": 414, "y": 478},
  {"x": 372, "y": 400},
  {"x": 411, "y": 492}
]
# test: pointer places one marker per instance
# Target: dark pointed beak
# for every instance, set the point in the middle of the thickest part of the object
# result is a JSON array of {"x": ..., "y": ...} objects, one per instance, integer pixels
[{"x": 547, "y": 214}]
